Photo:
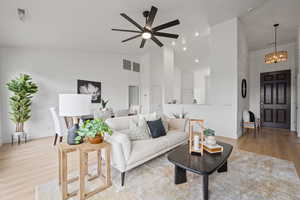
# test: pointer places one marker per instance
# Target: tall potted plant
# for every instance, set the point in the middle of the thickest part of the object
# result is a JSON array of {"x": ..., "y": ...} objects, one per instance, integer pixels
[{"x": 23, "y": 89}]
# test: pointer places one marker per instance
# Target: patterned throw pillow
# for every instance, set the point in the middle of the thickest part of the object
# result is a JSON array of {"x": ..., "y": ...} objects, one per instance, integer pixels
[{"x": 137, "y": 132}]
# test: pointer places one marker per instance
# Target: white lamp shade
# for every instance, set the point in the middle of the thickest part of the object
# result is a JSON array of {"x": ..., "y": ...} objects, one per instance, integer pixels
[{"x": 74, "y": 105}]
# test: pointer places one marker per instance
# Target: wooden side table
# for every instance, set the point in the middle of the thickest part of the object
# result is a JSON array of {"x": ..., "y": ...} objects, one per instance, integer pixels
[
  {"x": 63, "y": 150},
  {"x": 84, "y": 149}
]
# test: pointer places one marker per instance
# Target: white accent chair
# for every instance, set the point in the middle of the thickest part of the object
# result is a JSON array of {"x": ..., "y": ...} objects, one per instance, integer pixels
[
  {"x": 248, "y": 124},
  {"x": 122, "y": 113},
  {"x": 59, "y": 127}
]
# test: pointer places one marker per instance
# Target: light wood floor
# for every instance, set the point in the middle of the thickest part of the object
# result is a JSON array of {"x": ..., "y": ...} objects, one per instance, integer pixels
[{"x": 24, "y": 167}]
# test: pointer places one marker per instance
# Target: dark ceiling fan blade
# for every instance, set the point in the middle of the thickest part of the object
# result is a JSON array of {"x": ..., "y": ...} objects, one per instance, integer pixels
[
  {"x": 168, "y": 35},
  {"x": 157, "y": 41},
  {"x": 125, "y": 30},
  {"x": 151, "y": 16},
  {"x": 143, "y": 43},
  {"x": 131, "y": 38},
  {"x": 132, "y": 21},
  {"x": 166, "y": 25}
]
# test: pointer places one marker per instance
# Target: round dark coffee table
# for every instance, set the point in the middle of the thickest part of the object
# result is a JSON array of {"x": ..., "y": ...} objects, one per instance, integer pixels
[{"x": 203, "y": 165}]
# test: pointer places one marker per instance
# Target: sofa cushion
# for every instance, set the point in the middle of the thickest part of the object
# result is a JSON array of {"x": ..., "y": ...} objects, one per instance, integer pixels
[
  {"x": 156, "y": 128},
  {"x": 142, "y": 149},
  {"x": 175, "y": 136}
]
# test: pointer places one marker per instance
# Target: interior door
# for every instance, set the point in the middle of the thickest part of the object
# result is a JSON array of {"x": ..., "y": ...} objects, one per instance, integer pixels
[{"x": 275, "y": 99}]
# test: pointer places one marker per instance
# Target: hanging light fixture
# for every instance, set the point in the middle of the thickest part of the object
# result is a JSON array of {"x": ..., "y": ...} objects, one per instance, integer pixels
[{"x": 276, "y": 56}]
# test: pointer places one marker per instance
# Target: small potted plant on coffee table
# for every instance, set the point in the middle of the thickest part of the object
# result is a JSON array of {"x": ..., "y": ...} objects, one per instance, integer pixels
[
  {"x": 93, "y": 131},
  {"x": 209, "y": 136}
]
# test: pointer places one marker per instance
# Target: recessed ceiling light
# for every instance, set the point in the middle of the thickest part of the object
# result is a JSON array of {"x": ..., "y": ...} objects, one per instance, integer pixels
[
  {"x": 184, "y": 48},
  {"x": 197, "y": 34},
  {"x": 196, "y": 60},
  {"x": 173, "y": 43}
]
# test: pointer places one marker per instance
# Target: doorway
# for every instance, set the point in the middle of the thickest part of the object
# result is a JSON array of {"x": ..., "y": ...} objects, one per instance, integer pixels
[
  {"x": 134, "y": 95},
  {"x": 275, "y": 99}
]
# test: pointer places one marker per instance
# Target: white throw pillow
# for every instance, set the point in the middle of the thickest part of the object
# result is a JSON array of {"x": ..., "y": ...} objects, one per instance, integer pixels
[
  {"x": 143, "y": 118},
  {"x": 165, "y": 121},
  {"x": 135, "y": 131}
]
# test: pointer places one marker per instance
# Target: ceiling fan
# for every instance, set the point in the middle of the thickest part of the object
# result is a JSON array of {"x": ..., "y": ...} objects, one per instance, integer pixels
[{"x": 147, "y": 31}]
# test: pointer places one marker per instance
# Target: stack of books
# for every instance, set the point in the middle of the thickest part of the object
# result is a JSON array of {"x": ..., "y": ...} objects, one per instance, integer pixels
[{"x": 212, "y": 148}]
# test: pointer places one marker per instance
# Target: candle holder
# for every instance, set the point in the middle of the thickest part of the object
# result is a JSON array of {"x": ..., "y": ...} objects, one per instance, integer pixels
[{"x": 196, "y": 136}]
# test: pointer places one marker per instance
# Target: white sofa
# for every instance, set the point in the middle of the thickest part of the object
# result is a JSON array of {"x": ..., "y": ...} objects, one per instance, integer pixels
[{"x": 127, "y": 154}]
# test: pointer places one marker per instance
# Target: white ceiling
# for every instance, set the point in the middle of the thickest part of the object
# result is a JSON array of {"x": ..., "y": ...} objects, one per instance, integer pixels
[
  {"x": 85, "y": 24},
  {"x": 259, "y": 23}
]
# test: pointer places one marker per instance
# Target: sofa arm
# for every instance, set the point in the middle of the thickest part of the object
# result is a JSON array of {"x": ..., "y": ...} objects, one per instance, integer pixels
[{"x": 121, "y": 149}]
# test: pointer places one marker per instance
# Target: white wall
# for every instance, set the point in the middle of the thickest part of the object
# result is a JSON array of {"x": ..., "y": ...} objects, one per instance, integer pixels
[
  {"x": 168, "y": 74},
  {"x": 223, "y": 63},
  {"x": 257, "y": 66},
  {"x": 187, "y": 87},
  {"x": 57, "y": 72},
  {"x": 201, "y": 85},
  {"x": 221, "y": 113},
  {"x": 243, "y": 73},
  {"x": 177, "y": 84},
  {"x": 218, "y": 117}
]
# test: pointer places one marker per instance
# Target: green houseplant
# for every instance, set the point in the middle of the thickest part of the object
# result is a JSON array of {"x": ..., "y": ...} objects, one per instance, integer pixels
[
  {"x": 209, "y": 132},
  {"x": 209, "y": 136},
  {"x": 23, "y": 89},
  {"x": 93, "y": 130}
]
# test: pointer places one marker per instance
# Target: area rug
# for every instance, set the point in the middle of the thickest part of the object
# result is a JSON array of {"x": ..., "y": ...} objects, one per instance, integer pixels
[{"x": 250, "y": 177}]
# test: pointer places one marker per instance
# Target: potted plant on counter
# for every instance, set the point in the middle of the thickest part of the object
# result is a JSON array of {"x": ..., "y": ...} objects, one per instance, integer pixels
[{"x": 93, "y": 131}]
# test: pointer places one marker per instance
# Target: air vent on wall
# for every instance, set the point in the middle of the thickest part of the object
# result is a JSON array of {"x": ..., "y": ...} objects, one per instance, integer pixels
[
  {"x": 126, "y": 64},
  {"x": 136, "y": 67}
]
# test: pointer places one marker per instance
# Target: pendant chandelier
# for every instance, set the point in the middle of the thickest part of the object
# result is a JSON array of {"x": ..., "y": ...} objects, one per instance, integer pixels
[{"x": 276, "y": 56}]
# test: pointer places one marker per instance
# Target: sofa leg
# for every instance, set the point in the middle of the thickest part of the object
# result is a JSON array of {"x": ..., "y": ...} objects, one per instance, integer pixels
[{"x": 122, "y": 178}]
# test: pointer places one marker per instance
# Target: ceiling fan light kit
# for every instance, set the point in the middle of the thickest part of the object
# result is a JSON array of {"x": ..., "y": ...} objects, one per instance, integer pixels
[
  {"x": 147, "y": 32},
  {"x": 146, "y": 35},
  {"x": 276, "y": 56}
]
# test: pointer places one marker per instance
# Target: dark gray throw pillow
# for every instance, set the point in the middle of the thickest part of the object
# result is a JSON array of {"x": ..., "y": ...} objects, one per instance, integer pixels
[{"x": 156, "y": 128}]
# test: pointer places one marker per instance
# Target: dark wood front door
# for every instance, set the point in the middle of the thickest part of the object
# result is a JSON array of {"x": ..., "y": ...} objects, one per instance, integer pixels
[{"x": 275, "y": 99}]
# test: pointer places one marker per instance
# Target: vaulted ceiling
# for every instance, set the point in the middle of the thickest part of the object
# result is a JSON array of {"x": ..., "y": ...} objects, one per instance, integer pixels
[
  {"x": 259, "y": 23},
  {"x": 85, "y": 25}
]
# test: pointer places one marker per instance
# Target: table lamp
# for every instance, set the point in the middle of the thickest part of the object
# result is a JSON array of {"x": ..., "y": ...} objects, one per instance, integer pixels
[{"x": 74, "y": 105}]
